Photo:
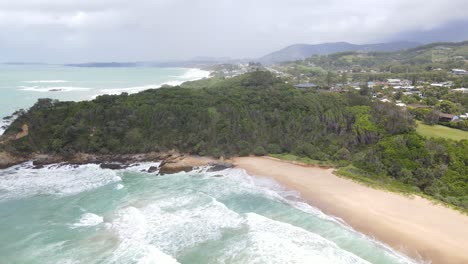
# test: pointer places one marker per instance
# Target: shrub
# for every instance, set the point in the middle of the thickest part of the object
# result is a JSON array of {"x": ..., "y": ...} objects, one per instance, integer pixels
[
  {"x": 274, "y": 149},
  {"x": 259, "y": 151}
]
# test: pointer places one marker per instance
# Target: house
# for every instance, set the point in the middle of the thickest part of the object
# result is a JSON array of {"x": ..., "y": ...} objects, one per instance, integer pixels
[
  {"x": 393, "y": 82},
  {"x": 443, "y": 117},
  {"x": 459, "y": 71},
  {"x": 465, "y": 116},
  {"x": 385, "y": 100},
  {"x": 306, "y": 85},
  {"x": 442, "y": 84},
  {"x": 460, "y": 90},
  {"x": 398, "y": 82},
  {"x": 414, "y": 93},
  {"x": 401, "y": 105}
]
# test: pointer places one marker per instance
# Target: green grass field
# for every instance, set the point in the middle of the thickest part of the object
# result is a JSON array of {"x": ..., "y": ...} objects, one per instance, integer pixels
[{"x": 441, "y": 131}]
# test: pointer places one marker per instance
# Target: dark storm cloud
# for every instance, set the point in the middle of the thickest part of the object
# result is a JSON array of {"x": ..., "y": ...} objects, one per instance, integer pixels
[{"x": 97, "y": 30}]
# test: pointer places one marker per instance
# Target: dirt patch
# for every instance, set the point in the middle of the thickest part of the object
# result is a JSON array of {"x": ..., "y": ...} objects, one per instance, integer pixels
[{"x": 24, "y": 132}]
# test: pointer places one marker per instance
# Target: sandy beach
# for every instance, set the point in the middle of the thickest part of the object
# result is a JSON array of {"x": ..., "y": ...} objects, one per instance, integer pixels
[{"x": 413, "y": 225}]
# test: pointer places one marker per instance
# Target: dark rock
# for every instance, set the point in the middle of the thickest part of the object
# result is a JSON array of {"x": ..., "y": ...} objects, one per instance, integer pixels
[
  {"x": 152, "y": 169},
  {"x": 220, "y": 166},
  {"x": 40, "y": 166},
  {"x": 42, "y": 160},
  {"x": 112, "y": 166},
  {"x": 170, "y": 168}
]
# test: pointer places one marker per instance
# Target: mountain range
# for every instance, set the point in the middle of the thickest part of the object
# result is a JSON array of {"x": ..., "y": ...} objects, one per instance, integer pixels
[{"x": 302, "y": 51}]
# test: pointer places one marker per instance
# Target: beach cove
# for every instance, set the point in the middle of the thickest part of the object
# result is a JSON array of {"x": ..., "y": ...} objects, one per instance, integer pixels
[{"x": 413, "y": 225}]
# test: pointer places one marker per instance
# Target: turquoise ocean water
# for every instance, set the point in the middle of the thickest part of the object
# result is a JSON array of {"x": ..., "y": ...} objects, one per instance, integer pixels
[
  {"x": 85, "y": 214},
  {"x": 90, "y": 215},
  {"x": 22, "y": 85}
]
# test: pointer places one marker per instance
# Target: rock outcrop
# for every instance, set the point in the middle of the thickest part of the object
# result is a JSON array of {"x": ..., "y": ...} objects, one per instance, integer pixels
[{"x": 8, "y": 160}]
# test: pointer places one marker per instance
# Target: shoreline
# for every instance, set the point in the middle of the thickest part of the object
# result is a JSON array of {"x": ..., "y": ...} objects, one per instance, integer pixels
[
  {"x": 413, "y": 226},
  {"x": 171, "y": 161}
]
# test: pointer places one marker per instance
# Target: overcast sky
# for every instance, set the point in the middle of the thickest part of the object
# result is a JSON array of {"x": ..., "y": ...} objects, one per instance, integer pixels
[{"x": 143, "y": 30}]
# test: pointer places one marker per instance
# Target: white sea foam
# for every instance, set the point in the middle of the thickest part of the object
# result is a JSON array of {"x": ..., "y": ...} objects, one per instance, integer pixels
[
  {"x": 119, "y": 186},
  {"x": 270, "y": 241},
  {"x": 43, "y": 89},
  {"x": 46, "y": 81},
  {"x": 89, "y": 219},
  {"x": 269, "y": 188},
  {"x": 132, "y": 228},
  {"x": 242, "y": 183},
  {"x": 170, "y": 225},
  {"x": 189, "y": 75},
  {"x": 23, "y": 181},
  {"x": 195, "y": 74},
  {"x": 187, "y": 212},
  {"x": 136, "y": 89},
  {"x": 142, "y": 166}
]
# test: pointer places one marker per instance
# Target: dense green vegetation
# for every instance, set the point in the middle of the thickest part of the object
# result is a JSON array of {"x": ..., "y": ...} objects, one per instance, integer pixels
[{"x": 255, "y": 113}]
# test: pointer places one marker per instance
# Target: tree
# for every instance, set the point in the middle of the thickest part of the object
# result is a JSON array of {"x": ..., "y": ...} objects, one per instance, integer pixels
[
  {"x": 448, "y": 107},
  {"x": 365, "y": 90},
  {"x": 432, "y": 117},
  {"x": 344, "y": 78},
  {"x": 329, "y": 79}
]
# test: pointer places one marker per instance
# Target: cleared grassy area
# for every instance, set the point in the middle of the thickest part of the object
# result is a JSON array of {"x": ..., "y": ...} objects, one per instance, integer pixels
[{"x": 441, "y": 131}]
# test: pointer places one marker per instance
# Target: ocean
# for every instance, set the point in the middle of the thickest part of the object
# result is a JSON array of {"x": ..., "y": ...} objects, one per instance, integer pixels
[
  {"x": 22, "y": 85},
  {"x": 85, "y": 214}
]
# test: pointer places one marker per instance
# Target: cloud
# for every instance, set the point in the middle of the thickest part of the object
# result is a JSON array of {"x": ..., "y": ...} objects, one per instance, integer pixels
[{"x": 91, "y": 30}]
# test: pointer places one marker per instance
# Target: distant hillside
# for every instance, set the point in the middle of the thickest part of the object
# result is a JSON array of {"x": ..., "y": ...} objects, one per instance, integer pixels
[
  {"x": 195, "y": 62},
  {"x": 444, "y": 55},
  {"x": 302, "y": 51}
]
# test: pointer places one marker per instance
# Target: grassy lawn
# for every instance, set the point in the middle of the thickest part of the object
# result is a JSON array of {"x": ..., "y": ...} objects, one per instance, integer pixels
[{"x": 441, "y": 131}]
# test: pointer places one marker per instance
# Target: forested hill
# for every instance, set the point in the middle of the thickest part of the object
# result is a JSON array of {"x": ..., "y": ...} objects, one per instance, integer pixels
[
  {"x": 302, "y": 51},
  {"x": 231, "y": 117},
  {"x": 255, "y": 113},
  {"x": 436, "y": 55}
]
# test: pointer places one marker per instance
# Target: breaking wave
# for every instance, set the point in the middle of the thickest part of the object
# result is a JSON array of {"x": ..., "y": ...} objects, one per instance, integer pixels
[
  {"x": 189, "y": 75},
  {"x": 53, "y": 89}
]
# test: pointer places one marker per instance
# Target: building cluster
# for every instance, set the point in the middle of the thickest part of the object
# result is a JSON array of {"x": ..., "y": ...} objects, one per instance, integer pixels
[{"x": 232, "y": 70}]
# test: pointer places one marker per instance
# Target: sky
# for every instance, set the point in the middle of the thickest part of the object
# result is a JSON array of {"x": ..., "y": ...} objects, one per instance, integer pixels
[{"x": 61, "y": 31}]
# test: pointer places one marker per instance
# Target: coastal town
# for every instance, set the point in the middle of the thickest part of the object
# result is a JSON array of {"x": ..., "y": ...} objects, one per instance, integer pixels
[{"x": 435, "y": 91}]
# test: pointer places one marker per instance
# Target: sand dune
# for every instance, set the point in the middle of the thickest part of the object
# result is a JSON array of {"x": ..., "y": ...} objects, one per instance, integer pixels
[{"x": 413, "y": 225}]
